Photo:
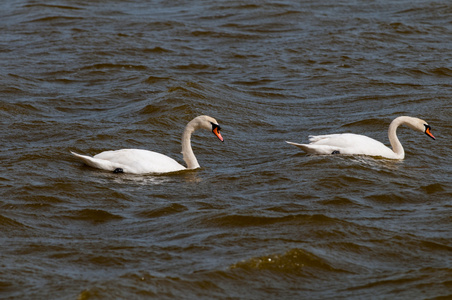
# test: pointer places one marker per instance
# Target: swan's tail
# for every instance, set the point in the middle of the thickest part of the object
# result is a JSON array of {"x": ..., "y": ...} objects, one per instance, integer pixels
[
  {"x": 315, "y": 149},
  {"x": 304, "y": 147},
  {"x": 95, "y": 162}
]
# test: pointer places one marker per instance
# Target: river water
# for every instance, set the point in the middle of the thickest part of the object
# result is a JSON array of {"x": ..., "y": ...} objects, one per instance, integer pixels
[{"x": 260, "y": 219}]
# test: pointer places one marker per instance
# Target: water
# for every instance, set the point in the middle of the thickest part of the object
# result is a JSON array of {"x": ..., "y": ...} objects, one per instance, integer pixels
[{"x": 260, "y": 219}]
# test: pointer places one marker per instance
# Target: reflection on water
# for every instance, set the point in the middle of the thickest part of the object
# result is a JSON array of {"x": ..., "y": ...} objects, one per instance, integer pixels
[{"x": 187, "y": 176}]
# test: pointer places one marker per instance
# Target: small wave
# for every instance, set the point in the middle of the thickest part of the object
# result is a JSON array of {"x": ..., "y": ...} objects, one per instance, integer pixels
[
  {"x": 371, "y": 122},
  {"x": 156, "y": 286},
  {"x": 40, "y": 5},
  {"x": 12, "y": 90},
  {"x": 433, "y": 188},
  {"x": 344, "y": 181},
  {"x": 94, "y": 215},
  {"x": 182, "y": 99},
  {"x": 294, "y": 261},
  {"x": 155, "y": 79},
  {"x": 437, "y": 246},
  {"x": 164, "y": 211},
  {"x": 339, "y": 201},
  {"x": 194, "y": 66},
  {"x": 9, "y": 224},
  {"x": 103, "y": 260},
  {"x": 395, "y": 198},
  {"x": 164, "y": 114},
  {"x": 102, "y": 66},
  {"x": 54, "y": 19},
  {"x": 14, "y": 109},
  {"x": 235, "y": 220},
  {"x": 242, "y": 220},
  {"x": 402, "y": 28},
  {"x": 157, "y": 50},
  {"x": 442, "y": 71}
]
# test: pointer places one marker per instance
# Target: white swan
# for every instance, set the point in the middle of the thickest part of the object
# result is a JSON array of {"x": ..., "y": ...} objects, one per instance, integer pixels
[
  {"x": 356, "y": 144},
  {"x": 137, "y": 161}
]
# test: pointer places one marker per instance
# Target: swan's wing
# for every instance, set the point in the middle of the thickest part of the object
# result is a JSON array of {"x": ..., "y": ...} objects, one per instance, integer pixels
[
  {"x": 330, "y": 143},
  {"x": 140, "y": 161},
  {"x": 341, "y": 140},
  {"x": 317, "y": 138}
]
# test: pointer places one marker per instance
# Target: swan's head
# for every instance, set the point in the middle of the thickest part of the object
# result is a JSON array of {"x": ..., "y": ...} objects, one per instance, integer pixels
[
  {"x": 216, "y": 130},
  {"x": 428, "y": 131},
  {"x": 420, "y": 125},
  {"x": 208, "y": 123}
]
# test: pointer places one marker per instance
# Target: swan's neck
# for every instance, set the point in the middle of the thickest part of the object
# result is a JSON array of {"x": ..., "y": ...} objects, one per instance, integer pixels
[
  {"x": 187, "y": 152},
  {"x": 393, "y": 139}
]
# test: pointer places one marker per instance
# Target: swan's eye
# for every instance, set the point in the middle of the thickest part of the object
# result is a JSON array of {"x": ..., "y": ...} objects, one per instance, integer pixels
[{"x": 215, "y": 126}]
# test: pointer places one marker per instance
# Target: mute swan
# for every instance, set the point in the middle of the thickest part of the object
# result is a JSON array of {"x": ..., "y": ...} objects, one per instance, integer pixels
[
  {"x": 137, "y": 161},
  {"x": 352, "y": 144}
]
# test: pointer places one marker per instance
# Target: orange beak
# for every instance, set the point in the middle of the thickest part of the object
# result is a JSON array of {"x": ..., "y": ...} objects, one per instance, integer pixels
[
  {"x": 427, "y": 132},
  {"x": 216, "y": 131}
]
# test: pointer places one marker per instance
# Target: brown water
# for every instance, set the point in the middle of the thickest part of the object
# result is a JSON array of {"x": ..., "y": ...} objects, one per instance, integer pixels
[{"x": 260, "y": 219}]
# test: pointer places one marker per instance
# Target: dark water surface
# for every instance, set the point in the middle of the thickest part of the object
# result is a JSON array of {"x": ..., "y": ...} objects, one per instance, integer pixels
[{"x": 259, "y": 220}]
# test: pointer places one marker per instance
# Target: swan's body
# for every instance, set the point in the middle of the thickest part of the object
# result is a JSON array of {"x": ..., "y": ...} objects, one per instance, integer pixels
[
  {"x": 355, "y": 144},
  {"x": 137, "y": 161}
]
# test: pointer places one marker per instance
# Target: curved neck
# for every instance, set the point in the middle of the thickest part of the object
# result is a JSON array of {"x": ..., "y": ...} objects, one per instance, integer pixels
[
  {"x": 393, "y": 139},
  {"x": 187, "y": 152}
]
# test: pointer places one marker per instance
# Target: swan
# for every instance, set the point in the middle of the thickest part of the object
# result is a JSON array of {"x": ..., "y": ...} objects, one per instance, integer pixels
[
  {"x": 356, "y": 144},
  {"x": 137, "y": 161}
]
